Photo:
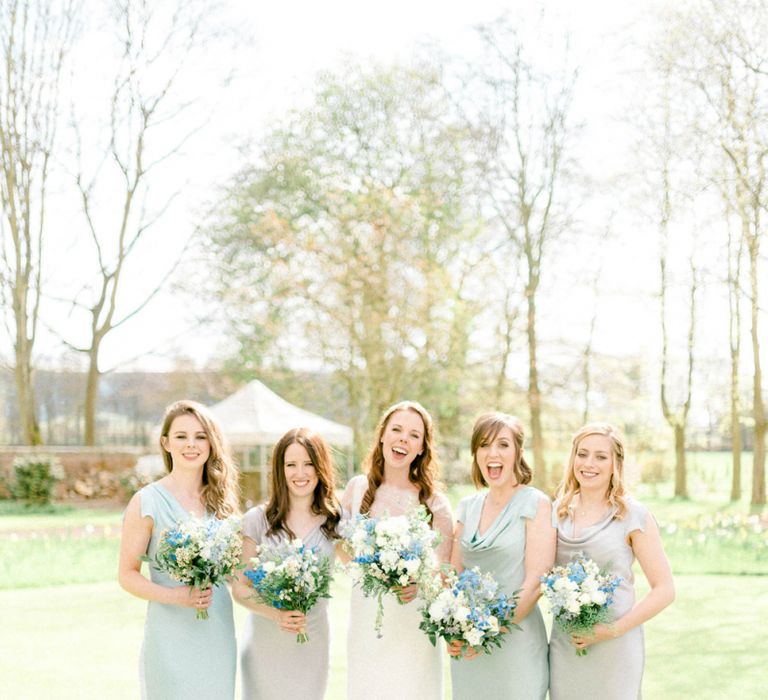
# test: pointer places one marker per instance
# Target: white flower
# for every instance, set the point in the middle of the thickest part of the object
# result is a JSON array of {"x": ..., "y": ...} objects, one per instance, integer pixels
[
  {"x": 268, "y": 567},
  {"x": 437, "y": 610},
  {"x": 599, "y": 597},
  {"x": 462, "y": 612},
  {"x": 473, "y": 637},
  {"x": 389, "y": 560},
  {"x": 572, "y": 606},
  {"x": 565, "y": 584},
  {"x": 412, "y": 566}
]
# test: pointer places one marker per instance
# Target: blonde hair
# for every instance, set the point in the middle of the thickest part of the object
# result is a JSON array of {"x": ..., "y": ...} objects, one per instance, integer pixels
[
  {"x": 221, "y": 489},
  {"x": 487, "y": 427},
  {"x": 569, "y": 486},
  {"x": 424, "y": 468}
]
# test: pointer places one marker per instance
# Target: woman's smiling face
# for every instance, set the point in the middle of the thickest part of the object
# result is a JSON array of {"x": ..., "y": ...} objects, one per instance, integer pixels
[
  {"x": 496, "y": 458},
  {"x": 403, "y": 439},
  {"x": 593, "y": 463}
]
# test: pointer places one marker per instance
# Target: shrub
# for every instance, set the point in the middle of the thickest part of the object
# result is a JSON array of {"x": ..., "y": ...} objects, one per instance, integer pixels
[
  {"x": 131, "y": 481},
  {"x": 34, "y": 477},
  {"x": 654, "y": 471}
]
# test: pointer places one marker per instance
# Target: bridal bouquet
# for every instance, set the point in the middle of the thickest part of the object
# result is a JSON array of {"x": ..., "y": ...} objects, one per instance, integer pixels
[
  {"x": 290, "y": 576},
  {"x": 199, "y": 552},
  {"x": 390, "y": 552},
  {"x": 471, "y": 609},
  {"x": 580, "y": 594}
]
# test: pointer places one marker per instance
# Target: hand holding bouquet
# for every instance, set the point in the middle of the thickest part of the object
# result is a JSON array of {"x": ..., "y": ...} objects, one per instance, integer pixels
[
  {"x": 470, "y": 610},
  {"x": 199, "y": 552},
  {"x": 390, "y": 552},
  {"x": 580, "y": 594},
  {"x": 290, "y": 576}
]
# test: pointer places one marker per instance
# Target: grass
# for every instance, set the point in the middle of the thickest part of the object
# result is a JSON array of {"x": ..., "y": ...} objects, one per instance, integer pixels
[
  {"x": 70, "y": 632},
  {"x": 56, "y": 560},
  {"x": 17, "y": 516},
  {"x": 83, "y": 641}
]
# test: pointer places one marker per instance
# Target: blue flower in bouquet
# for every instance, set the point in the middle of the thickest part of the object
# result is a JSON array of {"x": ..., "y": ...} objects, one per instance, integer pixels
[
  {"x": 290, "y": 576},
  {"x": 580, "y": 595},
  {"x": 390, "y": 552},
  {"x": 469, "y": 608},
  {"x": 199, "y": 552}
]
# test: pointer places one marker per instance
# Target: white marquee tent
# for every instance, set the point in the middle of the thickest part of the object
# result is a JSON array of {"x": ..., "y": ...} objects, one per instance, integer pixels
[{"x": 255, "y": 417}]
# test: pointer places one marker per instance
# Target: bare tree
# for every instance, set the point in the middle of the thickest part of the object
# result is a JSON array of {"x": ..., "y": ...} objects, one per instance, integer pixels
[
  {"x": 35, "y": 38},
  {"x": 156, "y": 41},
  {"x": 677, "y": 417},
  {"x": 526, "y": 121},
  {"x": 725, "y": 60},
  {"x": 735, "y": 251}
]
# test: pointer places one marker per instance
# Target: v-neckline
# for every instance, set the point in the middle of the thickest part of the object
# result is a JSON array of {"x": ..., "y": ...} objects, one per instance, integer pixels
[
  {"x": 304, "y": 537},
  {"x": 178, "y": 503},
  {"x": 480, "y": 535}
]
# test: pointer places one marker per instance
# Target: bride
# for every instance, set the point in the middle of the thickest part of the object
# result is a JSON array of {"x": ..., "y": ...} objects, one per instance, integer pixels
[{"x": 401, "y": 470}]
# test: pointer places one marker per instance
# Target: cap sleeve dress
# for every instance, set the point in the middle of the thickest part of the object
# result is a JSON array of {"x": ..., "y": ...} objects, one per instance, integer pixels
[
  {"x": 518, "y": 669},
  {"x": 184, "y": 658},
  {"x": 274, "y": 665},
  {"x": 613, "y": 669}
]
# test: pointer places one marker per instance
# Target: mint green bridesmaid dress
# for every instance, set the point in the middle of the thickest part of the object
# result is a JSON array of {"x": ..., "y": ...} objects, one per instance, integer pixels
[
  {"x": 183, "y": 658},
  {"x": 518, "y": 670}
]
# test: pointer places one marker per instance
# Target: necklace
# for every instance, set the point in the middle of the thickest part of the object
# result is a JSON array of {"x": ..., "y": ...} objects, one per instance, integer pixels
[{"x": 581, "y": 510}]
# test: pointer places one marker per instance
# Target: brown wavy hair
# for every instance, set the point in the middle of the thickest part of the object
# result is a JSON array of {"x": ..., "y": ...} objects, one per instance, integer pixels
[
  {"x": 424, "y": 468},
  {"x": 324, "y": 501},
  {"x": 487, "y": 427},
  {"x": 569, "y": 486},
  {"x": 221, "y": 488}
]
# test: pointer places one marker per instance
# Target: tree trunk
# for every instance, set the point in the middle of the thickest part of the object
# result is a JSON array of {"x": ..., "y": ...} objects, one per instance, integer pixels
[
  {"x": 681, "y": 480},
  {"x": 534, "y": 397},
  {"x": 735, "y": 432},
  {"x": 758, "y": 463},
  {"x": 91, "y": 397},
  {"x": 25, "y": 393}
]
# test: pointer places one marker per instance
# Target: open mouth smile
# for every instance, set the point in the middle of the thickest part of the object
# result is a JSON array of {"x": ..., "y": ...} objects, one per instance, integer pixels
[{"x": 494, "y": 469}]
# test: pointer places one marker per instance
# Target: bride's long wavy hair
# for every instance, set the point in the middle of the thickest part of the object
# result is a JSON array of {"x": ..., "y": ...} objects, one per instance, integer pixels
[
  {"x": 569, "y": 486},
  {"x": 221, "y": 488},
  {"x": 424, "y": 468},
  {"x": 324, "y": 501}
]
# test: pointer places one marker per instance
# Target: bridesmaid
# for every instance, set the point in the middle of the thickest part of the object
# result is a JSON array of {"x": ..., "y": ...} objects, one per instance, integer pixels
[
  {"x": 401, "y": 473},
  {"x": 505, "y": 530},
  {"x": 301, "y": 504},
  {"x": 594, "y": 515},
  {"x": 182, "y": 657}
]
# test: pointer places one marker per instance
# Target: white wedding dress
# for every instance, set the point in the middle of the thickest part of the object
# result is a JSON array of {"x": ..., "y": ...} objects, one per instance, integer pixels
[{"x": 403, "y": 664}]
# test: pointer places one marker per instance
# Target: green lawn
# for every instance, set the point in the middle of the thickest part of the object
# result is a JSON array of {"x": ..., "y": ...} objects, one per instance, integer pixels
[
  {"x": 70, "y": 632},
  {"x": 16, "y": 517},
  {"x": 82, "y": 641}
]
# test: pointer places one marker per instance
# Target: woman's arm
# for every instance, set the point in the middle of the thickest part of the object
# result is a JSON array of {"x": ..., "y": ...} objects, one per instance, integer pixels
[
  {"x": 540, "y": 543},
  {"x": 288, "y": 620},
  {"x": 649, "y": 551},
  {"x": 134, "y": 540},
  {"x": 456, "y": 563},
  {"x": 442, "y": 521}
]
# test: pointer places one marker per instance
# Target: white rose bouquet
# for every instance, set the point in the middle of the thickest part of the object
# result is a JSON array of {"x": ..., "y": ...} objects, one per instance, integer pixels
[
  {"x": 390, "y": 552},
  {"x": 199, "y": 552},
  {"x": 471, "y": 609},
  {"x": 580, "y": 594}
]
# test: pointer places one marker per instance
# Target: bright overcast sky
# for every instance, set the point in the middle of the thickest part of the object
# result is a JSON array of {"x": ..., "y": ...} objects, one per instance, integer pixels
[{"x": 291, "y": 41}]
